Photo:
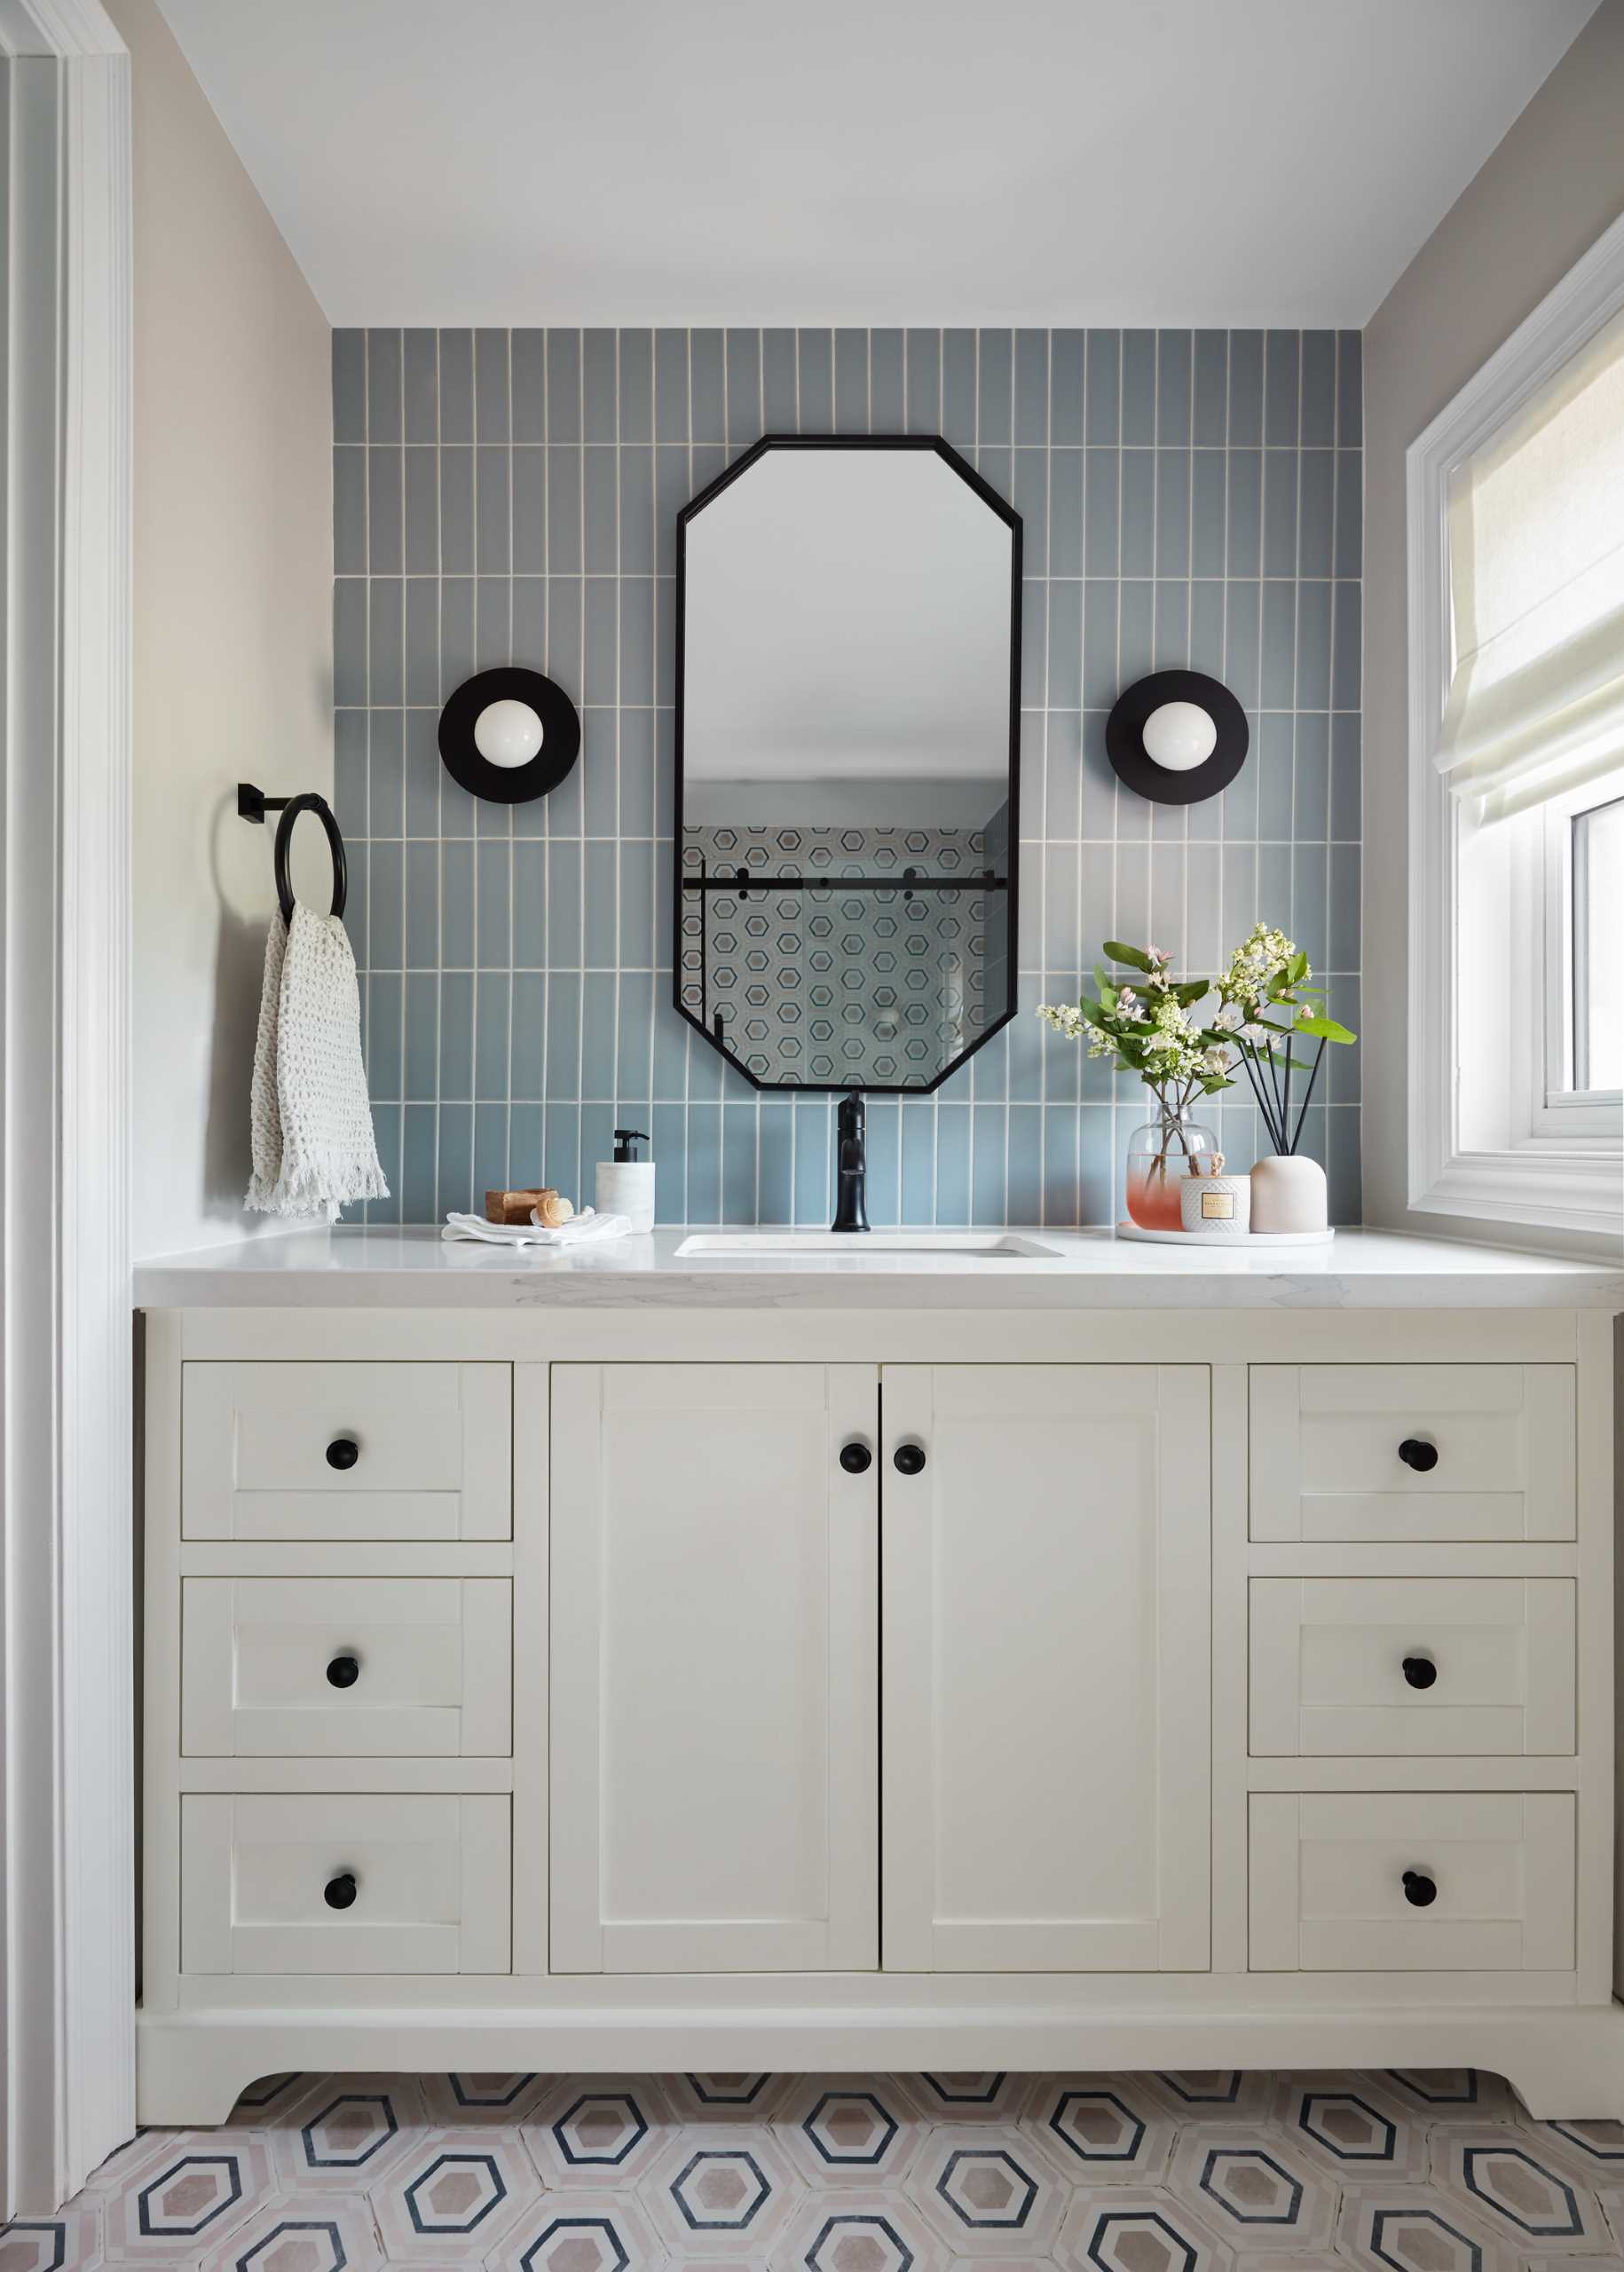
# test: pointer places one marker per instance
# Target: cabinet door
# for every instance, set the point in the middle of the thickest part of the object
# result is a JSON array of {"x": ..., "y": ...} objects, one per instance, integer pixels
[
  {"x": 714, "y": 1669},
  {"x": 1046, "y": 1701}
]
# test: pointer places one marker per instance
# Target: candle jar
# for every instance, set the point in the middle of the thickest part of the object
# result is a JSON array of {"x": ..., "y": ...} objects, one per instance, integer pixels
[{"x": 1216, "y": 1205}]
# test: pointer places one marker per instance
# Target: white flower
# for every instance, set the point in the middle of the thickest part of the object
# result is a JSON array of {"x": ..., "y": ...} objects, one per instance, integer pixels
[
  {"x": 1257, "y": 1035},
  {"x": 1230, "y": 1015}
]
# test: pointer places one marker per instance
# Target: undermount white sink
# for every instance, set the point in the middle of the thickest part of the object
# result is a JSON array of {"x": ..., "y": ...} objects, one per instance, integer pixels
[{"x": 857, "y": 1246}]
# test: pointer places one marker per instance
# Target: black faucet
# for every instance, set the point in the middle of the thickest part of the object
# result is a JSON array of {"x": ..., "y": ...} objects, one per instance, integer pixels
[{"x": 852, "y": 1162}]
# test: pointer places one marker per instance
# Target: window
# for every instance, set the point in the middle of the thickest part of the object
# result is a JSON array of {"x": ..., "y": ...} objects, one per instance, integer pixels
[
  {"x": 1517, "y": 707},
  {"x": 1596, "y": 865}
]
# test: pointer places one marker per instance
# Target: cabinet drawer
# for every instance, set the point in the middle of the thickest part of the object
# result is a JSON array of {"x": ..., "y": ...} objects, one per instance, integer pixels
[
  {"x": 1340, "y": 1881},
  {"x": 264, "y": 1881},
  {"x": 362, "y": 1668},
  {"x": 395, "y": 1451},
  {"x": 1390, "y": 1452},
  {"x": 1408, "y": 1667}
]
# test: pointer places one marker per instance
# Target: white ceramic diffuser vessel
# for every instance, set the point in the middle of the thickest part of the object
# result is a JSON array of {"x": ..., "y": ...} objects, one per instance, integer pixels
[
  {"x": 1289, "y": 1195},
  {"x": 1213, "y": 1205}
]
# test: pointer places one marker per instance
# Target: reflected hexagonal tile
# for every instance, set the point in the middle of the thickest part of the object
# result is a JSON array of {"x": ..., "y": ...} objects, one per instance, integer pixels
[
  {"x": 1254, "y": 2189},
  {"x": 579, "y": 2232},
  {"x": 848, "y": 2130},
  {"x": 58, "y": 2244},
  {"x": 1521, "y": 2189},
  {"x": 725, "y": 2188},
  {"x": 1350, "y": 2123},
  {"x": 302, "y": 2232},
  {"x": 1102, "y": 2129},
  {"x": 986, "y": 2187},
  {"x": 1138, "y": 2229},
  {"x": 1417, "y": 2228},
  {"x": 456, "y": 2184},
  {"x": 191, "y": 2191}
]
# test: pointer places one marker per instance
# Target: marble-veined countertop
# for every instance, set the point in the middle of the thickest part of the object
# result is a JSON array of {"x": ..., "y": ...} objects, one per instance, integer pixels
[{"x": 380, "y": 1268}]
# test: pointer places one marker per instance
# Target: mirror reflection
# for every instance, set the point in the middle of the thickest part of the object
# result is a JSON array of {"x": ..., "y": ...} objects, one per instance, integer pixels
[{"x": 846, "y": 762}]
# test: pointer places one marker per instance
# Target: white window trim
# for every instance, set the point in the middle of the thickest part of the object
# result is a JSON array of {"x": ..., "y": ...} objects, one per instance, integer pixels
[{"x": 1571, "y": 1185}]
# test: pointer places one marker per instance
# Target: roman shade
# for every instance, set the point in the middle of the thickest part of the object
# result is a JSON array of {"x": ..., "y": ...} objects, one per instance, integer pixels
[{"x": 1536, "y": 569}]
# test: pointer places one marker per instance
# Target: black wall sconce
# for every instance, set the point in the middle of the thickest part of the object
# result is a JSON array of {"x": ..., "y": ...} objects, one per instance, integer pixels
[
  {"x": 509, "y": 735},
  {"x": 1177, "y": 737}
]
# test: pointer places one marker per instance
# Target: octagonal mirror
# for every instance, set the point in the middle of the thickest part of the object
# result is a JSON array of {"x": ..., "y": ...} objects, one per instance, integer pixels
[{"x": 846, "y": 748}]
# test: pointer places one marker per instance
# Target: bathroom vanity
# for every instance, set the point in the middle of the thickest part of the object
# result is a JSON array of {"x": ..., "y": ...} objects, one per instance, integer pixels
[{"x": 686, "y": 1654}]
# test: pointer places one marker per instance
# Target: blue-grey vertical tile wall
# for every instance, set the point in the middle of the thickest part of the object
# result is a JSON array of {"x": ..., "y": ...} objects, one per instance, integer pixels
[{"x": 1189, "y": 498}]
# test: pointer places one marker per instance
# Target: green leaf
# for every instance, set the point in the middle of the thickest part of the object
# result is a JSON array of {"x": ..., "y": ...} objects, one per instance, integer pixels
[
  {"x": 1296, "y": 969},
  {"x": 1135, "y": 958},
  {"x": 1324, "y": 1028},
  {"x": 1191, "y": 989}
]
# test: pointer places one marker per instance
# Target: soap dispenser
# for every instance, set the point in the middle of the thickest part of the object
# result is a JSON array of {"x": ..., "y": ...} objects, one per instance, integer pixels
[{"x": 625, "y": 1184}]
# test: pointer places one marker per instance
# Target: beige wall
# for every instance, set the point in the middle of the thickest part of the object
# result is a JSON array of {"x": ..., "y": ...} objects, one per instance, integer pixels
[
  {"x": 1548, "y": 191},
  {"x": 232, "y": 628}
]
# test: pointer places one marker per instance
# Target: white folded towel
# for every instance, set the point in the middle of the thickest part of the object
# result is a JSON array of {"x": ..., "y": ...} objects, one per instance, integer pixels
[
  {"x": 313, "y": 1146},
  {"x": 588, "y": 1228}
]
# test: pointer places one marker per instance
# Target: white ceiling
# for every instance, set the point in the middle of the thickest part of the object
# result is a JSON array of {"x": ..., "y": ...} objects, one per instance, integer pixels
[{"x": 936, "y": 161}]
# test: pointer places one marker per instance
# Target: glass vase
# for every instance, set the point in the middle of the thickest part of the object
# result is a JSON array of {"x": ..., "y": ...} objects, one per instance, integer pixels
[{"x": 1160, "y": 1155}]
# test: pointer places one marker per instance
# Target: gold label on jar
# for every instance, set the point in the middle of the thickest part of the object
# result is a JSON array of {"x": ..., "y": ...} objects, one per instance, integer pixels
[{"x": 1216, "y": 1206}]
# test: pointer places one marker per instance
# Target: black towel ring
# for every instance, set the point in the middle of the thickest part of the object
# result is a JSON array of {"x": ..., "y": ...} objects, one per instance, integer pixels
[
  {"x": 310, "y": 803},
  {"x": 253, "y": 804}
]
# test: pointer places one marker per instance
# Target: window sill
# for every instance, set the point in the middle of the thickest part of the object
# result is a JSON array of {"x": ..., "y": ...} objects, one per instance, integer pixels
[{"x": 1537, "y": 1186}]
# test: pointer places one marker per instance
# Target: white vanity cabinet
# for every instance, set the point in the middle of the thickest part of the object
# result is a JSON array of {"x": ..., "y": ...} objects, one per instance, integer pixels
[{"x": 717, "y": 1673}]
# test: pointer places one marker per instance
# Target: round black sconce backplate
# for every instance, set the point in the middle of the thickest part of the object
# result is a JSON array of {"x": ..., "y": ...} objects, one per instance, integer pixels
[
  {"x": 1125, "y": 738},
  {"x": 512, "y": 784}
]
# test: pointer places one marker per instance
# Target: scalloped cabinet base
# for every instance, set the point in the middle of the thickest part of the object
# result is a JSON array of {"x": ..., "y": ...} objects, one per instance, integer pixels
[{"x": 662, "y": 1689}]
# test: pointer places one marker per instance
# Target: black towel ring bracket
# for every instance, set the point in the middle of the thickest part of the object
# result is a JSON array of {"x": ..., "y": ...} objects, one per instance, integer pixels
[{"x": 253, "y": 804}]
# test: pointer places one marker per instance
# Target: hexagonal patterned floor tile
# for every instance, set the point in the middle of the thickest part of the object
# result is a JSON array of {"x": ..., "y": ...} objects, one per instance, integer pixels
[
  {"x": 302, "y": 2232},
  {"x": 964, "y": 2098},
  {"x": 875, "y": 2228},
  {"x": 60, "y": 2244},
  {"x": 181, "y": 2198},
  {"x": 722, "y": 2098},
  {"x": 347, "y": 2132},
  {"x": 1521, "y": 2189},
  {"x": 578, "y": 2232},
  {"x": 456, "y": 2185},
  {"x": 1352, "y": 2125},
  {"x": 1138, "y": 2229},
  {"x": 985, "y": 2187},
  {"x": 603, "y": 2130},
  {"x": 1216, "y": 2094},
  {"x": 1417, "y": 2228},
  {"x": 1102, "y": 2129},
  {"x": 264, "y": 2098},
  {"x": 726, "y": 2188},
  {"x": 1598, "y": 2145},
  {"x": 848, "y": 2130},
  {"x": 1255, "y": 2192},
  {"x": 473, "y": 2099},
  {"x": 1444, "y": 2095}
]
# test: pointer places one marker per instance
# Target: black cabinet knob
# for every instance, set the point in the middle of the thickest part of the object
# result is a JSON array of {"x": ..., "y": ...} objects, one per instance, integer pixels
[
  {"x": 907, "y": 1459},
  {"x": 342, "y": 1453},
  {"x": 339, "y": 1892},
  {"x": 856, "y": 1459},
  {"x": 1416, "y": 1453},
  {"x": 1419, "y": 1890},
  {"x": 1421, "y": 1672},
  {"x": 343, "y": 1672}
]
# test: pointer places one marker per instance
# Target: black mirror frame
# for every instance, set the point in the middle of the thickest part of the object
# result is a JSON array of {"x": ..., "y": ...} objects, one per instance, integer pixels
[{"x": 1007, "y": 514}]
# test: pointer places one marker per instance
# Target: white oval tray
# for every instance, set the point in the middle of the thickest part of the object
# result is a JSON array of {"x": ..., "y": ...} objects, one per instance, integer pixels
[{"x": 1227, "y": 1242}]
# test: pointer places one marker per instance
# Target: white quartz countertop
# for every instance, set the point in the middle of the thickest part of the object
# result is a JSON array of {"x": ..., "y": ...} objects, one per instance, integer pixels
[{"x": 417, "y": 1269}]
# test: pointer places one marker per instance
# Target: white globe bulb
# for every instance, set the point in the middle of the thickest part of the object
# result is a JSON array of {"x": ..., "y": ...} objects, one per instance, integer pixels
[
  {"x": 1179, "y": 736},
  {"x": 506, "y": 733}
]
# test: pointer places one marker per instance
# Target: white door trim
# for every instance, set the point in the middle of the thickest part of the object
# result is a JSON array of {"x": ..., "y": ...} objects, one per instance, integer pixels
[{"x": 68, "y": 1969}]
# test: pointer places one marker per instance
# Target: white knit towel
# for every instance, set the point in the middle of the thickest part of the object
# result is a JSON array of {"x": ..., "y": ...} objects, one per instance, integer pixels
[{"x": 313, "y": 1145}]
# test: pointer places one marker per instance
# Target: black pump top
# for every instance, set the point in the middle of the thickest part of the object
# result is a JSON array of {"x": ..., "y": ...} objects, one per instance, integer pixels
[{"x": 626, "y": 1141}]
